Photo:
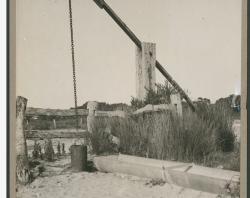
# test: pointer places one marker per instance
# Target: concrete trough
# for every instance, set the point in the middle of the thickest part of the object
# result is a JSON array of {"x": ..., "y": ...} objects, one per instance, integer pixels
[{"x": 187, "y": 175}]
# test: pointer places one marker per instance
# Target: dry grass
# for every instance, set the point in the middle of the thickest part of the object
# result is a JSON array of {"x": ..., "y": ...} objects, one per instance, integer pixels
[
  {"x": 101, "y": 140},
  {"x": 164, "y": 135},
  {"x": 204, "y": 137}
]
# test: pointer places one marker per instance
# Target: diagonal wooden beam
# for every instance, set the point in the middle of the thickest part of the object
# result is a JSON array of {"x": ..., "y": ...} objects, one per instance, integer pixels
[{"x": 103, "y": 5}]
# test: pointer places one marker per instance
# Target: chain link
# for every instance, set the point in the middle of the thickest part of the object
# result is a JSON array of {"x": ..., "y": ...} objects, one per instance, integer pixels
[{"x": 73, "y": 61}]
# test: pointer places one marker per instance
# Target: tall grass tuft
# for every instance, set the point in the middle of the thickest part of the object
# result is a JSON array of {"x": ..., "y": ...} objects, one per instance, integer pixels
[
  {"x": 194, "y": 137},
  {"x": 101, "y": 139},
  {"x": 220, "y": 118},
  {"x": 164, "y": 135}
]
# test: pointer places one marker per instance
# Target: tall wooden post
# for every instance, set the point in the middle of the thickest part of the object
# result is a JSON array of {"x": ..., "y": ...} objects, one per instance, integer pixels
[
  {"x": 22, "y": 164},
  {"x": 145, "y": 69}
]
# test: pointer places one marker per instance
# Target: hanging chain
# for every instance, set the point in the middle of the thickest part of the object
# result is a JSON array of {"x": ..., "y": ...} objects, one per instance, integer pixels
[{"x": 73, "y": 61}]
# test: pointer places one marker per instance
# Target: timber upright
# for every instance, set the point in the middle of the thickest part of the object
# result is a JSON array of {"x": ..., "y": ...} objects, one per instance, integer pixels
[
  {"x": 22, "y": 164},
  {"x": 145, "y": 69}
]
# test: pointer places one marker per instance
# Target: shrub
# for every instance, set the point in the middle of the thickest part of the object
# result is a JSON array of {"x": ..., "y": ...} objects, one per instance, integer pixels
[
  {"x": 36, "y": 150},
  {"x": 225, "y": 136},
  {"x": 58, "y": 148},
  {"x": 159, "y": 96},
  {"x": 101, "y": 139},
  {"x": 136, "y": 103},
  {"x": 198, "y": 137},
  {"x": 48, "y": 150},
  {"x": 229, "y": 160},
  {"x": 164, "y": 135},
  {"x": 220, "y": 118},
  {"x": 41, "y": 169},
  {"x": 132, "y": 139}
]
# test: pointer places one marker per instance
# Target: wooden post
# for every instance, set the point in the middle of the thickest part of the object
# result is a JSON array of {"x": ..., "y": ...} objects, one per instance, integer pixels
[
  {"x": 54, "y": 123},
  {"x": 92, "y": 106},
  {"x": 22, "y": 164},
  {"x": 145, "y": 69},
  {"x": 176, "y": 101}
]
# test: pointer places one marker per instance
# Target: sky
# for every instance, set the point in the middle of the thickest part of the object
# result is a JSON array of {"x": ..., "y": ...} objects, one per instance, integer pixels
[{"x": 197, "y": 41}]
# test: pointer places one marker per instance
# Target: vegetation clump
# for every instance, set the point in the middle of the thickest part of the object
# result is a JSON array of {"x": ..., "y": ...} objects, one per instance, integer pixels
[
  {"x": 203, "y": 137},
  {"x": 101, "y": 138},
  {"x": 36, "y": 153},
  {"x": 48, "y": 150},
  {"x": 160, "y": 96}
]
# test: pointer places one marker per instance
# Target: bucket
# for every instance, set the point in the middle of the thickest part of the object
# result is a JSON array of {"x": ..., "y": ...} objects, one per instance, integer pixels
[{"x": 78, "y": 157}]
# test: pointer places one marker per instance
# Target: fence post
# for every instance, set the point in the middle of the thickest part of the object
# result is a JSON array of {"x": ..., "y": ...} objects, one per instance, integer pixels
[
  {"x": 22, "y": 164},
  {"x": 145, "y": 69},
  {"x": 54, "y": 123},
  {"x": 176, "y": 101},
  {"x": 92, "y": 106}
]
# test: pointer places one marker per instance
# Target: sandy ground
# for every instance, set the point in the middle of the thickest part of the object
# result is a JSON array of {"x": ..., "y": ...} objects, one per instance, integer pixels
[
  {"x": 58, "y": 181},
  {"x": 105, "y": 185}
]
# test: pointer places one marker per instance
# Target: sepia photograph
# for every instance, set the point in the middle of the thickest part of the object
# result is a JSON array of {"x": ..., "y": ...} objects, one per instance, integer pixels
[{"x": 135, "y": 98}]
